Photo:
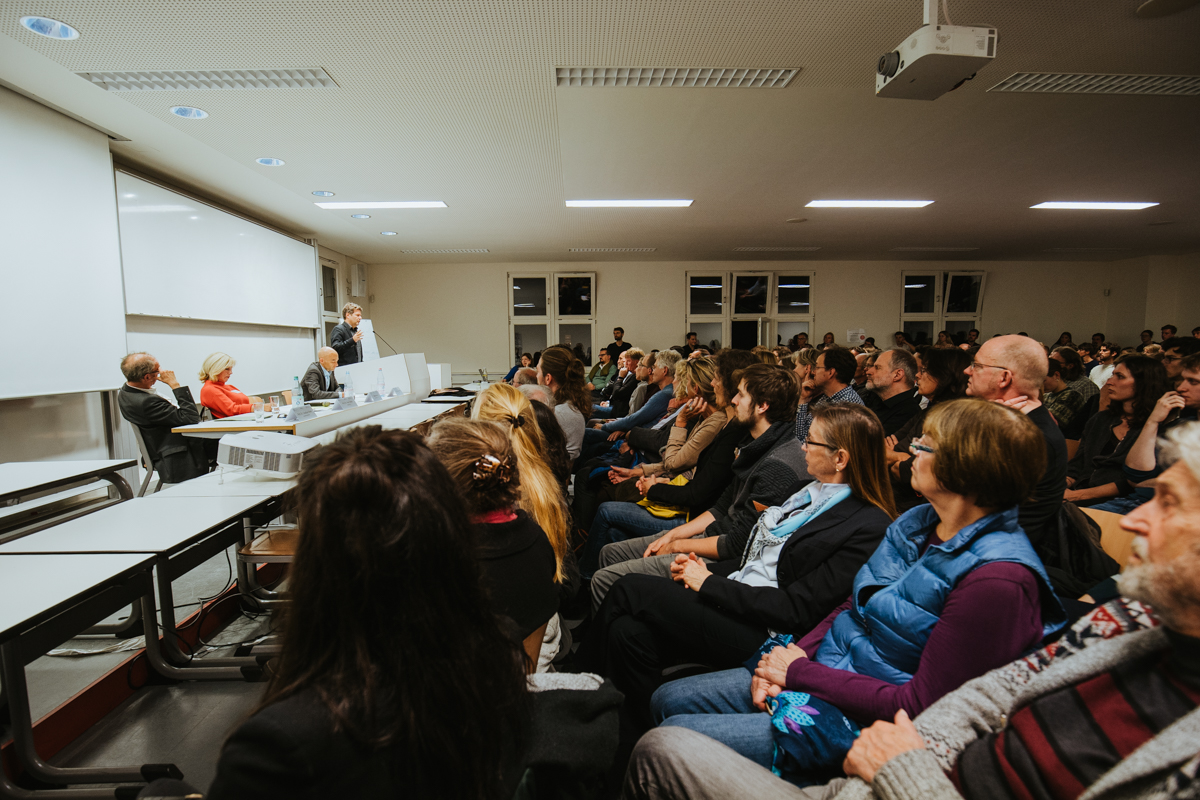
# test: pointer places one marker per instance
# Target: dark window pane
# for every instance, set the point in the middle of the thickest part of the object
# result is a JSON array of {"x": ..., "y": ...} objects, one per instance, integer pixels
[
  {"x": 744, "y": 334},
  {"x": 529, "y": 297},
  {"x": 329, "y": 288},
  {"x": 704, "y": 295},
  {"x": 750, "y": 294},
  {"x": 918, "y": 294},
  {"x": 793, "y": 294},
  {"x": 528, "y": 339},
  {"x": 579, "y": 339},
  {"x": 918, "y": 333},
  {"x": 959, "y": 328},
  {"x": 574, "y": 297},
  {"x": 709, "y": 334},
  {"x": 962, "y": 297}
]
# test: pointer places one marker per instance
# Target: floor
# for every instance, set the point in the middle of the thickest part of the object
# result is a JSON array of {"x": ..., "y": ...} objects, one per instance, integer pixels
[{"x": 184, "y": 724}]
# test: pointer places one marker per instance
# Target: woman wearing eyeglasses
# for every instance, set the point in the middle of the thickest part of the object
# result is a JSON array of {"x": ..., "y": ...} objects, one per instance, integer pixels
[
  {"x": 954, "y": 590},
  {"x": 798, "y": 564}
]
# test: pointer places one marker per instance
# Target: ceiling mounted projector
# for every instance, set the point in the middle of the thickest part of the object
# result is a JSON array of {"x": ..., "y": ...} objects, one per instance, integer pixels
[
  {"x": 277, "y": 455},
  {"x": 934, "y": 60}
]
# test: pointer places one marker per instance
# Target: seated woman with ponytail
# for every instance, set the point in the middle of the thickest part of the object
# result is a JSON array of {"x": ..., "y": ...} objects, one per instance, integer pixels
[
  {"x": 563, "y": 373},
  {"x": 515, "y": 556}
]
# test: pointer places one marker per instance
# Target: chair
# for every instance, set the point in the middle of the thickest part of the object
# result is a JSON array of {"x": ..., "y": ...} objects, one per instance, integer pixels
[
  {"x": 147, "y": 463},
  {"x": 274, "y": 544},
  {"x": 1114, "y": 540}
]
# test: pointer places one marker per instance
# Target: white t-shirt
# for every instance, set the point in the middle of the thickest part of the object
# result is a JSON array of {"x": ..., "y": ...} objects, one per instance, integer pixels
[{"x": 1101, "y": 374}]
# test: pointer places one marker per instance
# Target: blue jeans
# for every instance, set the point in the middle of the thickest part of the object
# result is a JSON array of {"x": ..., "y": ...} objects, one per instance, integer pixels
[
  {"x": 616, "y": 522},
  {"x": 717, "y": 705},
  {"x": 1121, "y": 505},
  {"x": 600, "y": 412}
]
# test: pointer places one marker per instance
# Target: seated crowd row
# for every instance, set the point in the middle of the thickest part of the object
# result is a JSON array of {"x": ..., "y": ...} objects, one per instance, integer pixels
[{"x": 798, "y": 574}]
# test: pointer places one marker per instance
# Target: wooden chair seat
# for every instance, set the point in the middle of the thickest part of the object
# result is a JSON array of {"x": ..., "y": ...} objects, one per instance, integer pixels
[
  {"x": 1115, "y": 541},
  {"x": 277, "y": 546}
]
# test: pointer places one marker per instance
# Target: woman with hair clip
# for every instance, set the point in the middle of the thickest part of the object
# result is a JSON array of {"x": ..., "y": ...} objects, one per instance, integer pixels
[
  {"x": 799, "y": 563},
  {"x": 1097, "y": 472},
  {"x": 563, "y": 373},
  {"x": 365, "y": 700},
  {"x": 517, "y": 560},
  {"x": 540, "y": 494}
]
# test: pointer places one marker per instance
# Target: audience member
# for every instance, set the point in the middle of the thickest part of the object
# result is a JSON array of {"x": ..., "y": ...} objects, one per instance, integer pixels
[
  {"x": 541, "y": 495},
  {"x": 555, "y": 452},
  {"x": 798, "y": 565},
  {"x": 221, "y": 398},
  {"x": 515, "y": 556},
  {"x": 1175, "y": 350},
  {"x": 1147, "y": 337},
  {"x": 563, "y": 373},
  {"x": 827, "y": 342},
  {"x": 536, "y": 392},
  {"x": 799, "y": 341},
  {"x": 692, "y": 341},
  {"x": 830, "y": 383},
  {"x": 944, "y": 340},
  {"x": 525, "y": 362},
  {"x": 1011, "y": 369},
  {"x": 900, "y": 340},
  {"x": 1097, "y": 340},
  {"x": 983, "y": 739},
  {"x": 892, "y": 380},
  {"x": 1087, "y": 354},
  {"x": 644, "y": 389},
  {"x": 862, "y": 362},
  {"x": 1063, "y": 402},
  {"x": 1096, "y": 473},
  {"x": 346, "y": 338},
  {"x": 768, "y": 469},
  {"x": 357, "y": 703},
  {"x": 525, "y": 376},
  {"x": 1168, "y": 333},
  {"x": 176, "y": 458},
  {"x": 1064, "y": 340},
  {"x": 764, "y": 354},
  {"x": 615, "y": 397},
  {"x": 921, "y": 619},
  {"x": 662, "y": 376},
  {"x": 601, "y": 373},
  {"x": 1154, "y": 351},
  {"x": 319, "y": 382},
  {"x": 1106, "y": 355},
  {"x": 972, "y": 337},
  {"x": 618, "y": 345},
  {"x": 1075, "y": 378}
]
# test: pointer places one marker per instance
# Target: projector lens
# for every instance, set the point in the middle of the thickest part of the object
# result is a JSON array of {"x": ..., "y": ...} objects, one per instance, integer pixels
[{"x": 888, "y": 64}]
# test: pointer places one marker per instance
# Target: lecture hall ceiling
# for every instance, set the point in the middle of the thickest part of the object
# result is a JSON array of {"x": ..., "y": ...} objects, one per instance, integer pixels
[{"x": 458, "y": 101}]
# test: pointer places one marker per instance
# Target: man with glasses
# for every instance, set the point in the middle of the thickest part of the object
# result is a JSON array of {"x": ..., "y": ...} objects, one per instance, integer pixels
[
  {"x": 1175, "y": 350},
  {"x": 830, "y": 383},
  {"x": 176, "y": 457},
  {"x": 1011, "y": 370}
]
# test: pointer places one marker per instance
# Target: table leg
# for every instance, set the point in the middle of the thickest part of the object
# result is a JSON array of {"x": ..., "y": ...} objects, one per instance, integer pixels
[{"x": 122, "y": 486}]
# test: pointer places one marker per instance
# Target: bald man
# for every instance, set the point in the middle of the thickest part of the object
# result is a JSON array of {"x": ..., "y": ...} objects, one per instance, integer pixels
[
  {"x": 319, "y": 382},
  {"x": 1011, "y": 370}
]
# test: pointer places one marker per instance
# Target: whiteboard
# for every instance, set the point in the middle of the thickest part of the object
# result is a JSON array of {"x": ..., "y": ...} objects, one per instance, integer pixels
[
  {"x": 268, "y": 357},
  {"x": 185, "y": 259},
  {"x": 62, "y": 296}
]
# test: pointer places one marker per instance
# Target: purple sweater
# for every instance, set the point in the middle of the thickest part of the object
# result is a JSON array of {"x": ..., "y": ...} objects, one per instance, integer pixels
[{"x": 991, "y": 617}]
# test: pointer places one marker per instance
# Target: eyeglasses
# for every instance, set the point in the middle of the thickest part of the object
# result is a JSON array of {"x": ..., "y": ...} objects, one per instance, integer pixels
[
  {"x": 820, "y": 444},
  {"x": 918, "y": 446},
  {"x": 977, "y": 365},
  {"x": 1172, "y": 359}
]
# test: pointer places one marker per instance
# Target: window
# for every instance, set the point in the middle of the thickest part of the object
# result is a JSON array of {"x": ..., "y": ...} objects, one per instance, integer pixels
[
  {"x": 941, "y": 301},
  {"x": 331, "y": 309},
  {"x": 744, "y": 309},
  {"x": 552, "y": 308}
]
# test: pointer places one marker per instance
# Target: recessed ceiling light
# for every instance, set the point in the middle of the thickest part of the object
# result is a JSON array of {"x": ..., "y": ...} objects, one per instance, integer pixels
[
  {"x": 50, "y": 28},
  {"x": 360, "y": 216},
  {"x": 1097, "y": 206},
  {"x": 387, "y": 233},
  {"x": 193, "y": 218},
  {"x": 270, "y": 162},
  {"x": 385, "y": 204},
  {"x": 323, "y": 194},
  {"x": 868, "y": 203},
  {"x": 189, "y": 112},
  {"x": 798, "y": 219},
  {"x": 628, "y": 203},
  {"x": 134, "y": 195}
]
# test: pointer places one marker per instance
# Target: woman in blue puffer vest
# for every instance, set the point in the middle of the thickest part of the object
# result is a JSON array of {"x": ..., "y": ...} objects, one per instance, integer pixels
[{"x": 954, "y": 590}]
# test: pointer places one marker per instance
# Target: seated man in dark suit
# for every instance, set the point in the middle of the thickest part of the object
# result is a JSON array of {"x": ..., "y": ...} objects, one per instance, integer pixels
[
  {"x": 176, "y": 457},
  {"x": 318, "y": 382}
]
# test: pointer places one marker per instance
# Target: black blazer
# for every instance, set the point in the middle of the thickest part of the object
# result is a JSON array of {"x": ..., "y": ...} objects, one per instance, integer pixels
[
  {"x": 314, "y": 386},
  {"x": 342, "y": 339},
  {"x": 176, "y": 457},
  {"x": 815, "y": 574}
]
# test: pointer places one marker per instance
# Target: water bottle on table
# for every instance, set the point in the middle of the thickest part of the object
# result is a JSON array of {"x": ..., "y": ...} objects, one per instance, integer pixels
[
  {"x": 297, "y": 392},
  {"x": 380, "y": 384},
  {"x": 349, "y": 387}
]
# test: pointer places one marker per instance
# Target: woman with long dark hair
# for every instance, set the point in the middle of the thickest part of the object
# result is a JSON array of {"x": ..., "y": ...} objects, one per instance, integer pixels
[
  {"x": 395, "y": 678},
  {"x": 1097, "y": 472},
  {"x": 563, "y": 373}
]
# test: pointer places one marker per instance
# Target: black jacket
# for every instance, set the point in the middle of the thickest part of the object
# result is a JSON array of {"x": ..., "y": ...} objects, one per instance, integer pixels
[
  {"x": 1100, "y": 458},
  {"x": 314, "y": 386},
  {"x": 815, "y": 573},
  {"x": 895, "y": 412},
  {"x": 714, "y": 471},
  {"x": 518, "y": 566},
  {"x": 342, "y": 339},
  {"x": 618, "y": 393},
  {"x": 176, "y": 457}
]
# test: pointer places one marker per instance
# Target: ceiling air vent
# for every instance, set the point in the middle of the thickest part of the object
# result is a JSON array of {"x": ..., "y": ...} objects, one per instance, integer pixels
[
  {"x": 1084, "y": 249},
  {"x": 1077, "y": 83},
  {"x": 179, "y": 80},
  {"x": 611, "y": 249},
  {"x": 464, "y": 250},
  {"x": 714, "y": 78},
  {"x": 774, "y": 249}
]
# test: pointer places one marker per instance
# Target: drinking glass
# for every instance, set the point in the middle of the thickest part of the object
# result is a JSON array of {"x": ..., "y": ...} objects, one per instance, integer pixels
[
  {"x": 257, "y": 408},
  {"x": 274, "y": 402}
]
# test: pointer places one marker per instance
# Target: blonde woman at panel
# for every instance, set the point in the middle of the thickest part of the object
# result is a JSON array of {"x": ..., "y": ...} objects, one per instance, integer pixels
[
  {"x": 223, "y": 399},
  {"x": 541, "y": 497}
]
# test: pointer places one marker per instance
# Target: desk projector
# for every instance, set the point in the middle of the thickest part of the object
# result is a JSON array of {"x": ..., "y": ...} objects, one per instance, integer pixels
[{"x": 275, "y": 455}]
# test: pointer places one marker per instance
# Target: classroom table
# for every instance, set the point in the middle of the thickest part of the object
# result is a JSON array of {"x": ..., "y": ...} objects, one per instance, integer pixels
[
  {"x": 419, "y": 417},
  {"x": 47, "y": 599},
  {"x": 324, "y": 421},
  {"x": 22, "y": 478}
]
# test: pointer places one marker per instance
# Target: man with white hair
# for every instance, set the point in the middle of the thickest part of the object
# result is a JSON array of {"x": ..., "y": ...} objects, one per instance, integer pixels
[
  {"x": 538, "y": 393},
  {"x": 1011, "y": 369},
  {"x": 1102, "y": 716},
  {"x": 176, "y": 457},
  {"x": 319, "y": 382}
]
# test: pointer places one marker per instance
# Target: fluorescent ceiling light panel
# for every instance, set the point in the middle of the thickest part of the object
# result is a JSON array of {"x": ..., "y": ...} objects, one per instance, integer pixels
[
  {"x": 675, "y": 76},
  {"x": 210, "y": 79},
  {"x": 869, "y": 203},
  {"x": 793, "y": 286},
  {"x": 933, "y": 249},
  {"x": 1096, "y": 206},
  {"x": 628, "y": 203},
  {"x": 459, "y": 250},
  {"x": 153, "y": 209},
  {"x": 775, "y": 249},
  {"x": 611, "y": 249},
  {"x": 386, "y": 204}
]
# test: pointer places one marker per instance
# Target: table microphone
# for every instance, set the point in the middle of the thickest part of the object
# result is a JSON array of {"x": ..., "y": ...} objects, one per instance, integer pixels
[{"x": 385, "y": 341}]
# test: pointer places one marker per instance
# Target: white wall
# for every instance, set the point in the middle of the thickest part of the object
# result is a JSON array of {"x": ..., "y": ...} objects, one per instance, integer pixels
[{"x": 458, "y": 313}]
